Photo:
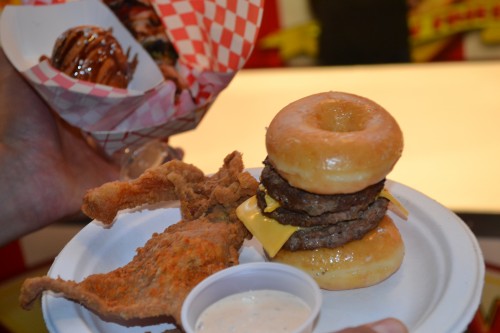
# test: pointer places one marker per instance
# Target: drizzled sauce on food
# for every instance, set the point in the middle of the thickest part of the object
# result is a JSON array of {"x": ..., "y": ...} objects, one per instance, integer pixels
[
  {"x": 254, "y": 311},
  {"x": 93, "y": 54}
]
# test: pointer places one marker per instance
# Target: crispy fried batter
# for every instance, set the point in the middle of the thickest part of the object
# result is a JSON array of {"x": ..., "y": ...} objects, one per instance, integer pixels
[
  {"x": 174, "y": 180},
  {"x": 157, "y": 280},
  {"x": 155, "y": 185}
]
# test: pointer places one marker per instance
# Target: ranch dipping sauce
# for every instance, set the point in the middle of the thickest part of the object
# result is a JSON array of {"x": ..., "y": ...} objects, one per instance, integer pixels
[{"x": 262, "y": 311}]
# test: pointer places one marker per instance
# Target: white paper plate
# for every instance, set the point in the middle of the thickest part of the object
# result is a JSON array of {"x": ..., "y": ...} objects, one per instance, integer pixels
[{"x": 437, "y": 289}]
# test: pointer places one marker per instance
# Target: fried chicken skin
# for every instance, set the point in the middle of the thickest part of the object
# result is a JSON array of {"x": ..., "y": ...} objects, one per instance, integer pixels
[
  {"x": 163, "y": 271},
  {"x": 174, "y": 180},
  {"x": 158, "y": 279},
  {"x": 162, "y": 183}
]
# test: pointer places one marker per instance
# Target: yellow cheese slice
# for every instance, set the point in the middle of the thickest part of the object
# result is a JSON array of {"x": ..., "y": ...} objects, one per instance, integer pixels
[
  {"x": 269, "y": 232},
  {"x": 271, "y": 204},
  {"x": 398, "y": 208}
]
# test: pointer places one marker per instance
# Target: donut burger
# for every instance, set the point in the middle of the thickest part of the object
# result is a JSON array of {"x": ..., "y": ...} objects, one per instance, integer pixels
[{"x": 321, "y": 205}]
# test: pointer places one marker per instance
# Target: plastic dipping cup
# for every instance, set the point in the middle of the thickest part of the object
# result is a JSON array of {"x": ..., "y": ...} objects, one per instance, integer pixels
[{"x": 248, "y": 277}]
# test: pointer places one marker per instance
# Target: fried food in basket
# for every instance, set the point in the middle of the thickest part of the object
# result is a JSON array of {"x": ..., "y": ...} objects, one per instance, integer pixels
[
  {"x": 141, "y": 19},
  {"x": 159, "y": 277},
  {"x": 93, "y": 54}
]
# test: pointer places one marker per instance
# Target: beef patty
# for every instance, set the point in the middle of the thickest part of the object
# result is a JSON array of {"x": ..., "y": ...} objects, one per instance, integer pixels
[
  {"x": 293, "y": 198},
  {"x": 302, "y": 219},
  {"x": 334, "y": 235},
  {"x": 325, "y": 220}
]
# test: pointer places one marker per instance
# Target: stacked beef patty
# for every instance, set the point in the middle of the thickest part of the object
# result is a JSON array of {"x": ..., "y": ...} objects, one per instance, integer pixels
[{"x": 324, "y": 220}]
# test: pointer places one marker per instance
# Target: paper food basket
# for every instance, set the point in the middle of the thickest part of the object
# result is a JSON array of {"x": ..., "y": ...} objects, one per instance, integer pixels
[{"x": 213, "y": 39}]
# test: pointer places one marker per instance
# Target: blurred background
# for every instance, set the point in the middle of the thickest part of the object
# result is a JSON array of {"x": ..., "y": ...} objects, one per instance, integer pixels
[
  {"x": 298, "y": 33},
  {"x": 335, "y": 32}
]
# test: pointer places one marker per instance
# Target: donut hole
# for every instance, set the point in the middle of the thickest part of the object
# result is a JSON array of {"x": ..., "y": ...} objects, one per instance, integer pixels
[{"x": 340, "y": 116}]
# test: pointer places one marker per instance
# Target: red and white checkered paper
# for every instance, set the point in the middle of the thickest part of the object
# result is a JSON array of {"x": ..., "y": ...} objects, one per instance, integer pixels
[{"x": 214, "y": 38}]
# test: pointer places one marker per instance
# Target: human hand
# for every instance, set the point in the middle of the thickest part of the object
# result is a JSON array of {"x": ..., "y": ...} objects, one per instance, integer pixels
[
  {"x": 388, "y": 325},
  {"x": 46, "y": 165}
]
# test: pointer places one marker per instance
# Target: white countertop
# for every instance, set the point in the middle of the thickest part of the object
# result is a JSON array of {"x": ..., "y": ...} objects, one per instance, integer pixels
[{"x": 449, "y": 114}]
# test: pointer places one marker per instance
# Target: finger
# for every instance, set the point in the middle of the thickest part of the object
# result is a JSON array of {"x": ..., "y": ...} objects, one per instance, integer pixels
[
  {"x": 389, "y": 325},
  {"x": 358, "y": 329}
]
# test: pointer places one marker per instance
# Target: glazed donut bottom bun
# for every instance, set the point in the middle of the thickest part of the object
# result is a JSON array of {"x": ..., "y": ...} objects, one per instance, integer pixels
[{"x": 357, "y": 264}]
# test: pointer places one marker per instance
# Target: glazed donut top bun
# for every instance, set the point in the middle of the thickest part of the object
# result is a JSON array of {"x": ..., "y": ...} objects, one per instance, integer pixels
[
  {"x": 333, "y": 142},
  {"x": 91, "y": 53}
]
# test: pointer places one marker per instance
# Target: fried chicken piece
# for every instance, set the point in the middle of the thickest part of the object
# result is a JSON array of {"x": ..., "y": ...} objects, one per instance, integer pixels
[
  {"x": 217, "y": 196},
  {"x": 158, "y": 279},
  {"x": 162, "y": 273},
  {"x": 141, "y": 19},
  {"x": 174, "y": 180},
  {"x": 154, "y": 185}
]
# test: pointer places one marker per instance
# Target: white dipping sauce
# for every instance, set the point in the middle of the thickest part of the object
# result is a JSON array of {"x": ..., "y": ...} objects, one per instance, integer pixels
[{"x": 254, "y": 311}]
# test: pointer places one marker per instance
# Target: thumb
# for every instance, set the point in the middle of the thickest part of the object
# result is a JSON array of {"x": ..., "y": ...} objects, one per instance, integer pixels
[{"x": 388, "y": 325}]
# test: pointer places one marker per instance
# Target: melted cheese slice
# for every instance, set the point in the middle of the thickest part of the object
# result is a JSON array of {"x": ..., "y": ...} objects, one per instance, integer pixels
[
  {"x": 396, "y": 206},
  {"x": 271, "y": 204},
  {"x": 269, "y": 232}
]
